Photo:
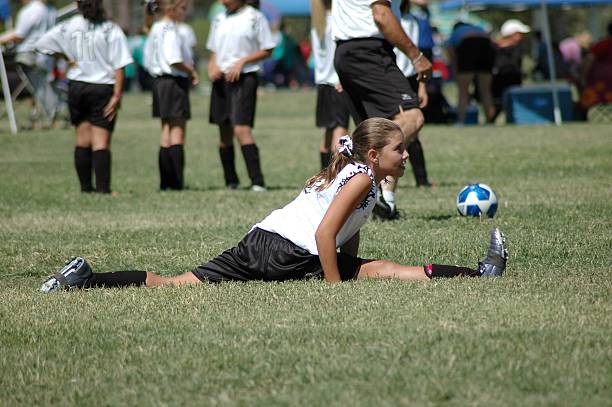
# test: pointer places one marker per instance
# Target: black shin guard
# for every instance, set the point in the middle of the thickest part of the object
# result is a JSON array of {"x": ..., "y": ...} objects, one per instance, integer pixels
[
  {"x": 444, "y": 271},
  {"x": 325, "y": 160},
  {"x": 251, "y": 157},
  {"x": 228, "y": 161},
  {"x": 177, "y": 155},
  {"x": 101, "y": 160},
  {"x": 83, "y": 166},
  {"x": 117, "y": 279},
  {"x": 417, "y": 160}
]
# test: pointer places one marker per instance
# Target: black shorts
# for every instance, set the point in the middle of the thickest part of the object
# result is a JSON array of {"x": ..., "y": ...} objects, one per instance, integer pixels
[
  {"x": 475, "y": 54},
  {"x": 332, "y": 108},
  {"x": 267, "y": 256},
  {"x": 233, "y": 103},
  {"x": 372, "y": 80},
  {"x": 171, "y": 97},
  {"x": 86, "y": 102}
]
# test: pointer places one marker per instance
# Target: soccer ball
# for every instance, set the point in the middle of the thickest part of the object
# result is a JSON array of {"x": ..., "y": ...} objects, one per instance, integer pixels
[{"x": 477, "y": 200}]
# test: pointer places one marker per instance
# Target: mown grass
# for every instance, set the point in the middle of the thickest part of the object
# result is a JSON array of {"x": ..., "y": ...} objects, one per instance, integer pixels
[{"x": 538, "y": 336}]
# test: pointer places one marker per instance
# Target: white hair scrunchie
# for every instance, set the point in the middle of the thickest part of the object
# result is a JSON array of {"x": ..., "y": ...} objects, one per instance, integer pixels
[{"x": 346, "y": 146}]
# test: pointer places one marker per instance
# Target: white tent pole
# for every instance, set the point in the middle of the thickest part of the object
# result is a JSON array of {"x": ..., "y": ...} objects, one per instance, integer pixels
[
  {"x": 551, "y": 63},
  {"x": 8, "y": 100}
]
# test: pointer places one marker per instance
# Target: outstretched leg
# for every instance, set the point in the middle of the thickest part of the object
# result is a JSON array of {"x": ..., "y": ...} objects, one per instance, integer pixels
[
  {"x": 494, "y": 264},
  {"x": 77, "y": 273}
]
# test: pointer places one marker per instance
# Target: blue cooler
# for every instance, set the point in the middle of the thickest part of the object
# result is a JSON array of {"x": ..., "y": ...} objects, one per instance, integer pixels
[
  {"x": 471, "y": 115},
  {"x": 534, "y": 104}
]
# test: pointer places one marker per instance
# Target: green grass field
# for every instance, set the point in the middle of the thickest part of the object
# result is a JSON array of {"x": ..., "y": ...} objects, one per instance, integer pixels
[{"x": 541, "y": 335}]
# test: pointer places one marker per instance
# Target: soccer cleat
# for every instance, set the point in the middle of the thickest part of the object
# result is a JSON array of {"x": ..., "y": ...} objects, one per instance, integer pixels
[
  {"x": 75, "y": 274},
  {"x": 258, "y": 188},
  {"x": 494, "y": 263},
  {"x": 383, "y": 211}
]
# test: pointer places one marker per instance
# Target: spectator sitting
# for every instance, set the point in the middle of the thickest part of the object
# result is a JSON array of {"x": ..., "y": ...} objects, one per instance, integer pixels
[
  {"x": 598, "y": 73},
  {"x": 572, "y": 50}
]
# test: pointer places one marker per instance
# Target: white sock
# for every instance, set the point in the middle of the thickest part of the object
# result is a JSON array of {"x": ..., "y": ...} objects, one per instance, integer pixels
[{"x": 389, "y": 197}]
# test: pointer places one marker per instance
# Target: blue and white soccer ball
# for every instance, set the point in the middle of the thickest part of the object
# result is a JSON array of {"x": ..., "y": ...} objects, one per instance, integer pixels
[{"x": 477, "y": 200}]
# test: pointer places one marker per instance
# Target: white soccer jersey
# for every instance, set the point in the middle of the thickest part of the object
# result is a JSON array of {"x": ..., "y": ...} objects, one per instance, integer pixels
[
  {"x": 236, "y": 35},
  {"x": 323, "y": 51},
  {"x": 165, "y": 47},
  {"x": 95, "y": 51},
  {"x": 33, "y": 20},
  {"x": 189, "y": 40},
  {"x": 298, "y": 220},
  {"x": 353, "y": 19},
  {"x": 411, "y": 27}
]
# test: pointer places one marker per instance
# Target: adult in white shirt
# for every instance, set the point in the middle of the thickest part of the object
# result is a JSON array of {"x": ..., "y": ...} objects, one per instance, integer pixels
[
  {"x": 33, "y": 20},
  {"x": 239, "y": 39},
  {"x": 410, "y": 25},
  {"x": 97, "y": 52},
  {"x": 365, "y": 32},
  {"x": 168, "y": 59},
  {"x": 332, "y": 112}
]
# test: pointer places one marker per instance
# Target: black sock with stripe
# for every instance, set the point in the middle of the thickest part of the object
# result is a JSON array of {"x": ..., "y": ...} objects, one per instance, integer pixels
[{"x": 445, "y": 271}]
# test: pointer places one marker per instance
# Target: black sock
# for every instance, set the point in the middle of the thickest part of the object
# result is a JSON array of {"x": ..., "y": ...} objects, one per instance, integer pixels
[
  {"x": 117, "y": 279},
  {"x": 177, "y": 154},
  {"x": 165, "y": 169},
  {"x": 444, "y": 271},
  {"x": 251, "y": 157},
  {"x": 325, "y": 160},
  {"x": 417, "y": 160},
  {"x": 101, "y": 160},
  {"x": 229, "y": 165},
  {"x": 82, "y": 163}
]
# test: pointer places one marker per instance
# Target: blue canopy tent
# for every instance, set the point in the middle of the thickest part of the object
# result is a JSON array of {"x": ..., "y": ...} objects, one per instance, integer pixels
[{"x": 522, "y": 4}]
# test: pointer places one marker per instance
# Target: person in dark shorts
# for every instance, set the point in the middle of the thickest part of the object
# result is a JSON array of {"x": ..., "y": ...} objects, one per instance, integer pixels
[
  {"x": 239, "y": 39},
  {"x": 168, "y": 59},
  {"x": 97, "y": 52},
  {"x": 332, "y": 111},
  {"x": 472, "y": 55},
  {"x": 301, "y": 240},
  {"x": 411, "y": 26},
  {"x": 365, "y": 32}
]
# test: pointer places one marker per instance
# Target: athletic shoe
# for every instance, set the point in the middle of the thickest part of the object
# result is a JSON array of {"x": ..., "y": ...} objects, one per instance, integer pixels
[
  {"x": 75, "y": 274},
  {"x": 258, "y": 188},
  {"x": 383, "y": 211},
  {"x": 494, "y": 263}
]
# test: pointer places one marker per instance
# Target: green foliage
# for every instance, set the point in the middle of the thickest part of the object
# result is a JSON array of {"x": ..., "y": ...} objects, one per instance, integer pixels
[{"x": 538, "y": 336}]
